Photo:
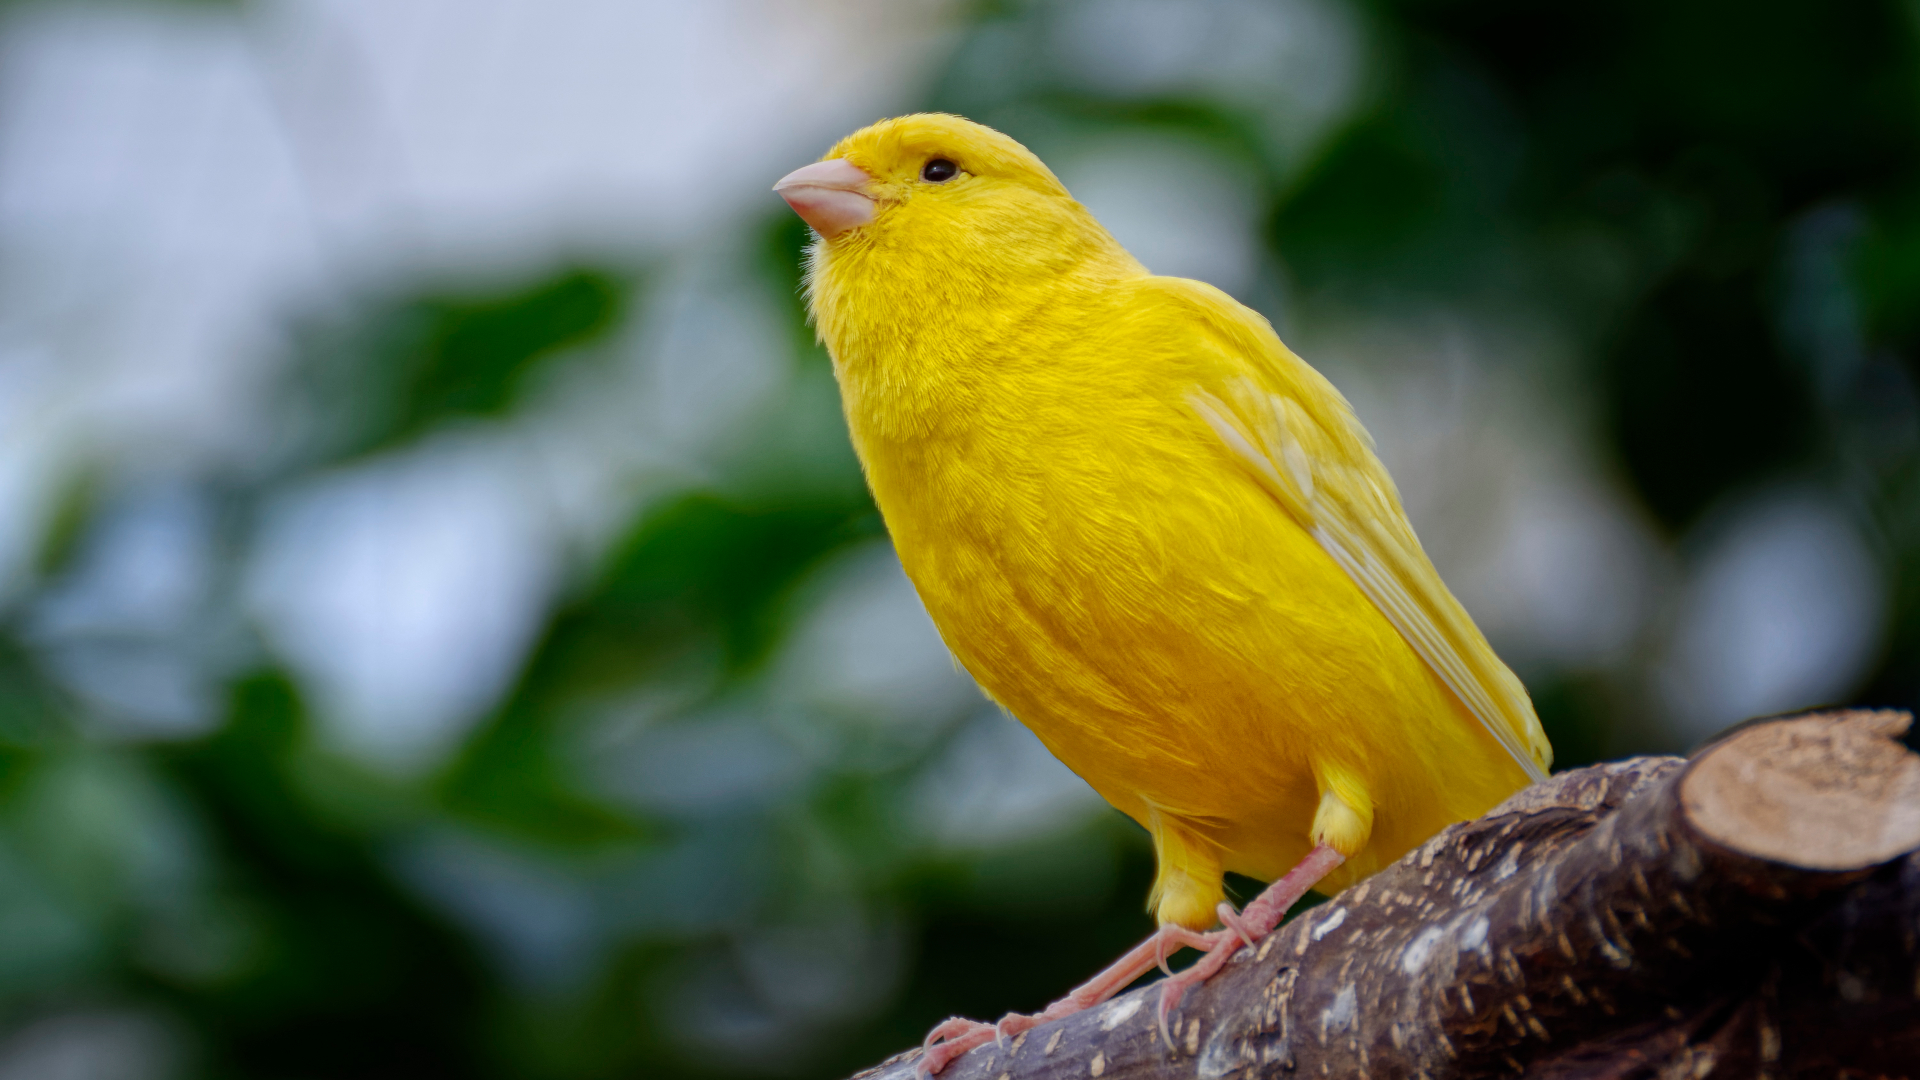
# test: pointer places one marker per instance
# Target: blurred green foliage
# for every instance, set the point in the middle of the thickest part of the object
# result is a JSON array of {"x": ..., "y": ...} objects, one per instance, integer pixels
[
  {"x": 380, "y": 377},
  {"x": 1639, "y": 168}
]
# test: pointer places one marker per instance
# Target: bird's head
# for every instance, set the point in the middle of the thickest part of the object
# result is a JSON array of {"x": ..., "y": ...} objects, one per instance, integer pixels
[
  {"x": 933, "y": 230},
  {"x": 932, "y": 201},
  {"x": 916, "y": 173}
]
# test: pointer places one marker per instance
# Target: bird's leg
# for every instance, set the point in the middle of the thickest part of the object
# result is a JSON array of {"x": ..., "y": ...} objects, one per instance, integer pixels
[
  {"x": 955, "y": 1037},
  {"x": 1142, "y": 958},
  {"x": 1250, "y": 925}
]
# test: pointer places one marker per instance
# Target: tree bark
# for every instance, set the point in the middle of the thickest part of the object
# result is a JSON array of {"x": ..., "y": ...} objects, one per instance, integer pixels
[{"x": 1753, "y": 911}]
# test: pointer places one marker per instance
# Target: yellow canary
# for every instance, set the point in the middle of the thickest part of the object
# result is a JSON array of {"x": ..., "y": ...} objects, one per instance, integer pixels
[{"x": 1146, "y": 528}]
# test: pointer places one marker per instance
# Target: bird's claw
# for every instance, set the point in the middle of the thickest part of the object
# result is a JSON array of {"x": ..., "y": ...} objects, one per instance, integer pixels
[
  {"x": 1181, "y": 938},
  {"x": 1219, "y": 947},
  {"x": 950, "y": 1028},
  {"x": 1011, "y": 1025},
  {"x": 954, "y": 1037},
  {"x": 950, "y": 1039},
  {"x": 1169, "y": 997},
  {"x": 1231, "y": 919}
]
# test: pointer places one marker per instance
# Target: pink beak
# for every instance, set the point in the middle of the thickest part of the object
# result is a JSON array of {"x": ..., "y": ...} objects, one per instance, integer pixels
[{"x": 829, "y": 195}]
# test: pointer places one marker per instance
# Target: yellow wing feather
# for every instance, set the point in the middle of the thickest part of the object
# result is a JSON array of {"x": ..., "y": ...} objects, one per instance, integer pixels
[{"x": 1301, "y": 440}]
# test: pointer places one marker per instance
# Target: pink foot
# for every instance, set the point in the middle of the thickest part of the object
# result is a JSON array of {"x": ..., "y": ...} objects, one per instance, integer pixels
[
  {"x": 953, "y": 1038},
  {"x": 1250, "y": 926},
  {"x": 957, "y": 1036},
  {"x": 950, "y": 1039}
]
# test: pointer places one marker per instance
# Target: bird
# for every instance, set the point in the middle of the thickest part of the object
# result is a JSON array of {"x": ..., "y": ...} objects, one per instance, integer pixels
[{"x": 1152, "y": 534}]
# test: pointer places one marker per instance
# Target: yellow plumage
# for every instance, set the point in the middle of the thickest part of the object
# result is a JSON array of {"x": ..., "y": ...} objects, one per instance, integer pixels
[{"x": 1150, "y": 531}]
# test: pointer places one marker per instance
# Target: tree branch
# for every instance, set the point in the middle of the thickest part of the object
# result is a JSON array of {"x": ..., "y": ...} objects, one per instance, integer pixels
[{"x": 1752, "y": 912}]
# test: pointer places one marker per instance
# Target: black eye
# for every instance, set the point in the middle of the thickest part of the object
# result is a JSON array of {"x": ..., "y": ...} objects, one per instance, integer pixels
[{"x": 939, "y": 171}]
